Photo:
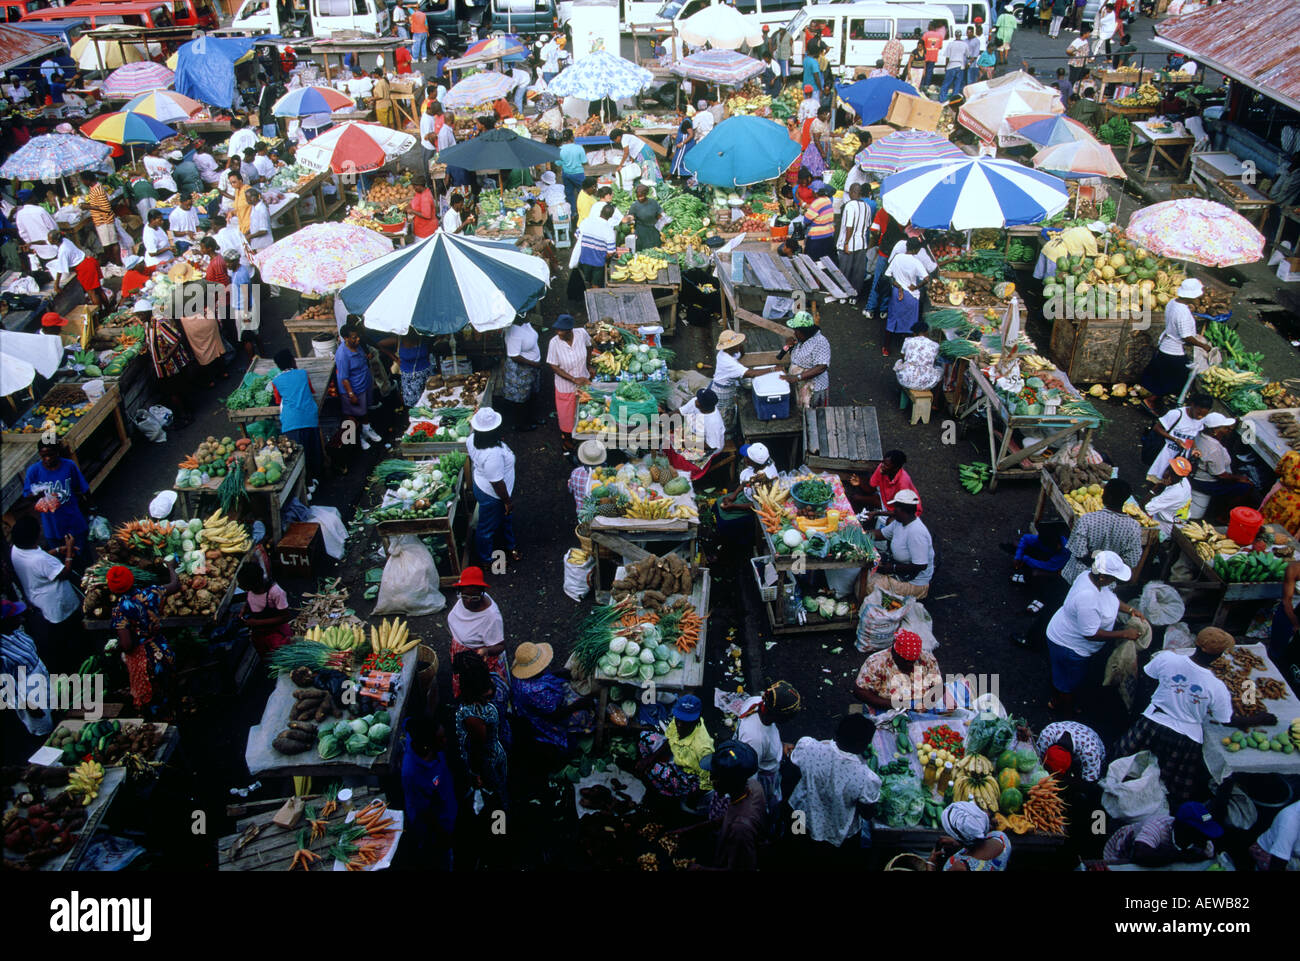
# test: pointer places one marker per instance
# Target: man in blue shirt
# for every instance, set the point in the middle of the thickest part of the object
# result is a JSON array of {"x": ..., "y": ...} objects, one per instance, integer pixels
[
  {"x": 299, "y": 412},
  {"x": 429, "y": 795},
  {"x": 573, "y": 167}
]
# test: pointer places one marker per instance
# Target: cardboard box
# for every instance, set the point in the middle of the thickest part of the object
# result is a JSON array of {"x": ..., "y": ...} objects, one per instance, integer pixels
[
  {"x": 71, "y": 334},
  {"x": 1288, "y": 270},
  {"x": 916, "y": 113},
  {"x": 301, "y": 551}
]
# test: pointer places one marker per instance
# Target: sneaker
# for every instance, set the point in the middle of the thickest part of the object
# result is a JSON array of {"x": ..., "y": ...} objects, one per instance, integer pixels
[
  {"x": 369, "y": 432},
  {"x": 365, "y": 444}
]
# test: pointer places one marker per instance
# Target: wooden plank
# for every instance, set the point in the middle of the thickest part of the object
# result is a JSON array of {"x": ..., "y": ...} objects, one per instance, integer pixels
[
  {"x": 805, "y": 278},
  {"x": 833, "y": 270},
  {"x": 770, "y": 278},
  {"x": 852, "y": 433},
  {"x": 833, "y": 431},
  {"x": 812, "y": 443},
  {"x": 797, "y": 281},
  {"x": 630, "y": 552}
]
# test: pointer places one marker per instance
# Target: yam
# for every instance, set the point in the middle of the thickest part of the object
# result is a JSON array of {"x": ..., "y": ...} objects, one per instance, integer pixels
[
  {"x": 299, "y": 726},
  {"x": 309, "y": 694},
  {"x": 297, "y": 732},
  {"x": 287, "y": 745}
]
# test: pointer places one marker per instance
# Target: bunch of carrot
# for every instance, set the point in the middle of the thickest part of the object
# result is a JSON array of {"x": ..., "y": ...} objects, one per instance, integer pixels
[
  {"x": 690, "y": 631},
  {"x": 302, "y": 858},
  {"x": 189, "y": 463},
  {"x": 371, "y": 848},
  {"x": 771, "y": 518},
  {"x": 632, "y": 619}
]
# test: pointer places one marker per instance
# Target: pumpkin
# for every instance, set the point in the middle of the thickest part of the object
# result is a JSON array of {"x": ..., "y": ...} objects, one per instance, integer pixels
[
  {"x": 1008, "y": 778},
  {"x": 1010, "y": 800}
]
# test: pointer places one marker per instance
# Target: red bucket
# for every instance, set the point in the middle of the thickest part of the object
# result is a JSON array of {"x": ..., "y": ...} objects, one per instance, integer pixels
[
  {"x": 781, "y": 232},
  {"x": 1243, "y": 524}
]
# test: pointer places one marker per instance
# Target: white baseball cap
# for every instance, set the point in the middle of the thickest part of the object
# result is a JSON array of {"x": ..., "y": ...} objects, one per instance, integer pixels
[
  {"x": 1108, "y": 563},
  {"x": 1215, "y": 419},
  {"x": 485, "y": 419},
  {"x": 906, "y": 497},
  {"x": 1191, "y": 288},
  {"x": 142, "y": 305}
]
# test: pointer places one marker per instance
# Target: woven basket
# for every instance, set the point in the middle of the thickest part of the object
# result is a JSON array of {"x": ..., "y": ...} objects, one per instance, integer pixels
[
  {"x": 584, "y": 542},
  {"x": 907, "y": 862}
]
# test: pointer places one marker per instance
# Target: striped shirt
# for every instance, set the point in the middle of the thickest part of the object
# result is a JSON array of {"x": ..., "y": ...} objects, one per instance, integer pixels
[
  {"x": 570, "y": 358},
  {"x": 855, "y": 219},
  {"x": 162, "y": 338},
  {"x": 1156, "y": 832},
  {"x": 821, "y": 218},
  {"x": 101, "y": 208}
]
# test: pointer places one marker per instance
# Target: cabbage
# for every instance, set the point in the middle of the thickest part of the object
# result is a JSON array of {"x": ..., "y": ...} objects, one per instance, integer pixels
[
  {"x": 357, "y": 743},
  {"x": 196, "y": 523},
  {"x": 328, "y": 747},
  {"x": 381, "y": 717},
  {"x": 661, "y": 668},
  {"x": 379, "y": 733},
  {"x": 826, "y": 607},
  {"x": 617, "y": 645},
  {"x": 187, "y": 544},
  {"x": 647, "y": 656},
  {"x": 647, "y": 671},
  {"x": 359, "y": 726},
  {"x": 327, "y": 727},
  {"x": 627, "y": 667},
  {"x": 674, "y": 657},
  {"x": 661, "y": 652},
  {"x": 650, "y": 635},
  {"x": 629, "y": 708},
  {"x": 842, "y": 609},
  {"x": 632, "y": 649},
  {"x": 609, "y": 663}
]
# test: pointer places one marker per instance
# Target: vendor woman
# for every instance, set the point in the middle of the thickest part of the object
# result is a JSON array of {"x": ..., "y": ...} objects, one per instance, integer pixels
[
  {"x": 728, "y": 373},
  {"x": 703, "y": 434},
  {"x": 1168, "y": 370},
  {"x": 810, "y": 361},
  {"x": 137, "y": 620},
  {"x": 567, "y": 355},
  {"x": 902, "y": 676},
  {"x": 59, "y": 489},
  {"x": 476, "y": 626}
]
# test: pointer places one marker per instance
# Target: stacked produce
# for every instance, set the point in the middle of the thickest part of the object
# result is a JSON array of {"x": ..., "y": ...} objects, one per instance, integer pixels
[
  {"x": 758, "y": 105},
  {"x": 1234, "y": 669},
  {"x": 255, "y": 391},
  {"x": 973, "y": 781},
  {"x": 1209, "y": 541},
  {"x": 1250, "y": 567},
  {"x": 85, "y": 781},
  {"x": 261, "y": 465},
  {"x": 419, "y": 489},
  {"x": 323, "y": 309},
  {"x": 1146, "y": 95},
  {"x": 108, "y": 742},
  {"x": 592, "y": 412},
  {"x": 638, "y": 268},
  {"x": 1287, "y": 427},
  {"x": 384, "y": 194},
  {"x": 1284, "y": 741},
  {"x": 975, "y": 476},
  {"x": 1278, "y": 396},
  {"x": 384, "y": 220},
  {"x": 46, "y": 417},
  {"x": 1226, "y": 339},
  {"x": 645, "y": 490},
  {"x": 445, "y": 425},
  {"x": 37, "y": 826},
  {"x": 658, "y": 577},
  {"x": 1114, "y": 131},
  {"x": 632, "y": 362}
]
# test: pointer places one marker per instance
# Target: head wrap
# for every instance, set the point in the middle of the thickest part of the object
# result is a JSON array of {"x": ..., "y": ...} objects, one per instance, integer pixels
[
  {"x": 119, "y": 579},
  {"x": 801, "y": 319},
  {"x": 1213, "y": 640},
  {"x": 1057, "y": 759},
  {"x": 908, "y": 645},
  {"x": 781, "y": 699},
  {"x": 966, "y": 822}
]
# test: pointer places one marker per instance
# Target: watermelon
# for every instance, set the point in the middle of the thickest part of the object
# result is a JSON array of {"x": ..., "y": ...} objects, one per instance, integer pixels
[
  {"x": 1008, "y": 777},
  {"x": 1026, "y": 760},
  {"x": 1006, "y": 759},
  {"x": 1010, "y": 801}
]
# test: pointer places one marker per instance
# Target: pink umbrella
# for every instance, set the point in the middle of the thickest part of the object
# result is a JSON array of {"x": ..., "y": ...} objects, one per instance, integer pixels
[
  {"x": 132, "y": 79},
  {"x": 1197, "y": 230}
]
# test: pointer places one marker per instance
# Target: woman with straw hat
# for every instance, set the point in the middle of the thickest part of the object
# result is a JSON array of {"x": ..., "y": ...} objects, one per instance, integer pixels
[
  {"x": 728, "y": 372},
  {"x": 545, "y": 699},
  {"x": 494, "y": 484}
]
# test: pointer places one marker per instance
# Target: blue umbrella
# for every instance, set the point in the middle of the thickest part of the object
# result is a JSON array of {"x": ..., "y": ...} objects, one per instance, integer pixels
[
  {"x": 870, "y": 98},
  {"x": 741, "y": 151},
  {"x": 499, "y": 149},
  {"x": 972, "y": 193}
]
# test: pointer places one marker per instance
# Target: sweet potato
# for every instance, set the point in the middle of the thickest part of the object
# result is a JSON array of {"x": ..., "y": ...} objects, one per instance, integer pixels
[
  {"x": 300, "y": 726},
  {"x": 309, "y": 694},
  {"x": 288, "y": 745}
]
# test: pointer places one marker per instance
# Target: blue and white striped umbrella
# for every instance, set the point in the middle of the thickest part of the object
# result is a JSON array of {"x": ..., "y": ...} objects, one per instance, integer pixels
[
  {"x": 972, "y": 193},
  {"x": 718, "y": 66},
  {"x": 601, "y": 74},
  {"x": 444, "y": 282}
]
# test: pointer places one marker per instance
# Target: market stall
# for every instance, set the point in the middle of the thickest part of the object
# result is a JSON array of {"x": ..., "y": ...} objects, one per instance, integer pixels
[
  {"x": 52, "y": 831},
  {"x": 1076, "y": 490},
  {"x": 94, "y": 432},
  {"x": 432, "y": 498},
  {"x": 1255, "y": 683},
  {"x": 1228, "y": 572},
  {"x": 312, "y": 324},
  {"x": 1158, "y": 142},
  {"x": 635, "y": 299},
  {"x": 270, "y": 835},
  {"x": 841, "y": 438},
  {"x": 1266, "y": 433},
  {"x": 269, "y": 473},
  {"x": 252, "y": 401},
  {"x": 439, "y": 420}
]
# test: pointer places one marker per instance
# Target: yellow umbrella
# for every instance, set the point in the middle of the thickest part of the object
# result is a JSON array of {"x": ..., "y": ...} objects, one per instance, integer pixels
[{"x": 110, "y": 55}]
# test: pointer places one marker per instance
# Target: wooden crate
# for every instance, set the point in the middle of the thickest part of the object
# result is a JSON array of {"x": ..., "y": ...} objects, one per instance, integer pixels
[{"x": 1094, "y": 351}]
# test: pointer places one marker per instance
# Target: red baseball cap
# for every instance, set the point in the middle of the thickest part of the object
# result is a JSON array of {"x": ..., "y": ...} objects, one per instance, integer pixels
[
  {"x": 51, "y": 319},
  {"x": 471, "y": 577}
]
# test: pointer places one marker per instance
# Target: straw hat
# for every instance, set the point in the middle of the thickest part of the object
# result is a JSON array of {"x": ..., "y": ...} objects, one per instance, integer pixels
[
  {"x": 531, "y": 659},
  {"x": 730, "y": 339},
  {"x": 592, "y": 453}
]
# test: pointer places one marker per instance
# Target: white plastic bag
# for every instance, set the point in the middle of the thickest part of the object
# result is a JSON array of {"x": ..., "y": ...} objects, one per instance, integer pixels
[
  {"x": 99, "y": 532},
  {"x": 410, "y": 582},
  {"x": 876, "y": 625},
  {"x": 162, "y": 505},
  {"x": 1161, "y": 604},
  {"x": 1179, "y": 637},
  {"x": 332, "y": 529},
  {"x": 150, "y": 426},
  {"x": 577, "y": 577},
  {"x": 1132, "y": 789}
]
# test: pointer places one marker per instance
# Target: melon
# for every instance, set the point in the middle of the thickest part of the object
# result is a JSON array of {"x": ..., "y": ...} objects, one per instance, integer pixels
[
  {"x": 1117, "y": 261},
  {"x": 1010, "y": 800},
  {"x": 1008, "y": 777},
  {"x": 1006, "y": 759},
  {"x": 1026, "y": 759}
]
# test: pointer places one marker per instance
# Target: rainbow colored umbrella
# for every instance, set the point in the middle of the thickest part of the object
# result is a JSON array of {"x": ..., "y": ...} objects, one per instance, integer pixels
[
  {"x": 1079, "y": 158},
  {"x": 133, "y": 79},
  {"x": 898, "y": 151},
  {"x": 1049, "y": 129},
  {"x": 126, "y": 128},
  {"x": 1200, "y": 231},
  {"x": 165, "y": 106},
  {"x": 308, "y": 101}
]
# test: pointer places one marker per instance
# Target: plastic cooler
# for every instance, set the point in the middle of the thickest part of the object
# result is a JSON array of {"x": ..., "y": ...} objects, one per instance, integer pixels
[{"x": 771, "y": 397}]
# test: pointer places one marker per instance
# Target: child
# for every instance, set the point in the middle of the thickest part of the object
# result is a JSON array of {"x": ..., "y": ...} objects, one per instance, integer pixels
[{"x": 268, "y": 613}]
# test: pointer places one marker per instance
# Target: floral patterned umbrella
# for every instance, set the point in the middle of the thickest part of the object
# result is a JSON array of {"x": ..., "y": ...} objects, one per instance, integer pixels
[
  {"x": 54, "y": 155},
  {"x": 1200, "y": 231},
  {"x": 132, "y": 79},
  {"x": 316, "y": 259}
]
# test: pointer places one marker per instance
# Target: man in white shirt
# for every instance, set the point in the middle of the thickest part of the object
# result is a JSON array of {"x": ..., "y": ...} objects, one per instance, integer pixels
[
  {"x": 703, "y": 428},
  {"x": 428, "y": 131},
  {"x": 227, "y": 234},
  {"x": 1187, "y": 695},
  {"x": 555, "y": 56},
  {"x": 910, "y": 543},
  {"x": 837, "y": 790},
  {"x": 47, "y": 583},
  {"x": 454, "y": 218},
  {"x": 703, "y": 121},
  {"x": 35, "y": 225},
  {"x": 244, "y": 138},
  {"x": 1213, "y": 476},
  {"x": 757, "y": 728},
  {"x": 184, "y": 223},
  {"x": 906, "y": 267},
  {"x": 400, "y": 20},
  {"x": 16, "y": 92},
  {"x": 157, "y": 245},
  {"x": 854, "y": 239},
  {"x": 157, "y": 167},
  {"x": 259, "y": 222},
  {"x": 954, "y": 71},
  {"x": 262, "y": 162},
  {"x": 520, "y": 79}
]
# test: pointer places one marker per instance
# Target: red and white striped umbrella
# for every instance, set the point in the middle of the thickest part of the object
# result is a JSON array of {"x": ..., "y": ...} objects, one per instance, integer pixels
[
  {"x": 133, "y": 79},
  {"x": 354, "y": 147}
]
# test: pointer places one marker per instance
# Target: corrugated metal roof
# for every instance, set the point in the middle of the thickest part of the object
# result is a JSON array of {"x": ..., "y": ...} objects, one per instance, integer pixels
[
  {"x": 1254, "y": 41},
  {"x": 19, "y": 46}
]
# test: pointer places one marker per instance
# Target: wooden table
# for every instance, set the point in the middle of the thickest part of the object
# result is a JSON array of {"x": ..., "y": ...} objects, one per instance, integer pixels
[
  {"x": 1225, "y": 593},
  {"x": 1253, "y": 204},
  {"x": 423, "y": 450},
  {"x": 192, "y": 620},
  {"x": 315, "y": 188},
  {"x": 299, "y": 327},
  {"x": 765, "y": 271},
  {"x": 669, "y": 279},
  {"x": 628, "y": 306},
  {"x": 319, "y": 371},
  {"x": 1170, "y": 149},
  {"x": 1051, "y": 492},
  {"x": 292, "y": 484},
  {"x": 95, "y": 460},
  {"x": 841, "y": 438},
  {"x": 630, "y": 539},
  {"x": 273, "y": 847},
  {"x": 1289, "y": 215}
]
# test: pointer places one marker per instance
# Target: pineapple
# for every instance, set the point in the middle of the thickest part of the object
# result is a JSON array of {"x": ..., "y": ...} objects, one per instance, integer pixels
[{"x": 614, "y": 506}]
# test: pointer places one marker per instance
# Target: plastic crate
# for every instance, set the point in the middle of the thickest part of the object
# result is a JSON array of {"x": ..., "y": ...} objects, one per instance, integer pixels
[{"x": 767, "y": 594}]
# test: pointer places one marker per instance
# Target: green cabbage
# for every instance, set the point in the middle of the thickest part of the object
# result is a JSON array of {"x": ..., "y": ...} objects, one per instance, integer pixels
[
  {"x": 359, "y": 726},
  {"x": 357, "y": 743},
  {"x": 647, "y": 655},
  {"x": 329, "y": 747},
  {"x": 647, "y": 671},
  {"x": 379, "y": 733},
  {"x": 627, "y": 667},
  {"x": 661, "y": 668},
  {"x": 381, "y": 717}
]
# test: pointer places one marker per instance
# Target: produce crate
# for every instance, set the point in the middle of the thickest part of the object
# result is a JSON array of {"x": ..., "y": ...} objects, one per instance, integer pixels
[
  {"x": 1093, "y": 351},
  {"x": 917, "y": 113},
  {"x": 1128, "y": 112}
]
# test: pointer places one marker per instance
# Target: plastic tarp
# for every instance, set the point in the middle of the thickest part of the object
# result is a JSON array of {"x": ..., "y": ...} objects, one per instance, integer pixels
[{"x": 205, "y": 68}]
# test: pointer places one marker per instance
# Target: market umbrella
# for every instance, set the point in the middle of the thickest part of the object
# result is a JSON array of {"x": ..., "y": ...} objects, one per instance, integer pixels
[
  {"x": 720, "y": 26},
  {"x": 906, "y": 148},
  {"x": 1049, "y": 129},
  {"x": 718, "y": 66},
  {"x": 478, "y": 89},
  {"x": 506, "y": 47},
  {"x": 1016, "y": 80},
  {"x": 1080, "y": 158},
  {"x": 988, "y": 117},
  {"x": 354, "y": 147},
  {"x": 124, "y": 127},
  {"x": 444, "y": 282},
  {"x": 132, "y": 79},
  {"x": 308, "y": 101},
  {"x": 166, "y": 106},
  {"x": 54, "y": 155},
  {"x": 105, "y": 54},
  {"x": 870, "y": 97},
  {"x": 601, "y": 74},
  {"x": 499, "y": 149},
  {"x": 741, "y": 151},
  {"x": 1197, "y": 230},
  {"x": 316, "y": 259},
  {"x": 15, "y": 374},
  {"x": 972, "y": 193},
  {"x": 23, "y": 356}
]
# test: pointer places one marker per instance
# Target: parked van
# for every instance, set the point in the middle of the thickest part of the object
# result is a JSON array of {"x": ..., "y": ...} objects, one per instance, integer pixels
[
  {"x": 365, "y": 16},
  {"x": 185, "y": 13},
  {"x": 964, "y": 12},
  {"x": 15, "y": 10},
  {"x": 856, "y": 33},
  {"x": 524, "y": 16},
  {"x": 774, "y": 13},
  {"x": 152, "y": 15},
  {"x": 256, "y": 17}
]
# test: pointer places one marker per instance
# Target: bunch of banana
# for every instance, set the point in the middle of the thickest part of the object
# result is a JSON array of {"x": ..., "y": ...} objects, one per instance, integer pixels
[
  {"x": 225, "y": 534},
  {"x": 974, "y": 781},
  {"x": 773, "y": 495},
  {"x": 85, "y": 780},
  {"x": 607, "y": 363},
  {"x": 1085, "y": 500},
  {"x": 685, "y": 512},
  {"x": 650, "y": 509},
  {"x": 578, "y": 556},
  {"x": 1036, "y": 362},
  {"x": 392, "y": 637},
  {"x": 340, "y": 637},
  {"x": 974, "y": 476},
  {"x": 1139, "y": 515},
  {"x": 1220, "y": 381},
  {"x": 1209, "y": 542},
  {"x": 1294, "y": 731}
]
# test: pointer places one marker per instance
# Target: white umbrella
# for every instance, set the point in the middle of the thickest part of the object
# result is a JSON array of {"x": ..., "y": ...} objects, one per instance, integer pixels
[
  {"x": 23, "y": 356},
  {"x": 354, "y": 147},
  {"x": 15, "y": 375},
  {"x": 721, "y": 27}
]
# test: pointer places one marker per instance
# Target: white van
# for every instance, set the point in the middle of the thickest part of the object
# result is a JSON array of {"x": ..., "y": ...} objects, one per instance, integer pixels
[
  {"x": 323, "y": 18},
  {"x": 858, "y": 32},
  {"x": 964, "y": 12},
  {"x": 643, "y": 12}
]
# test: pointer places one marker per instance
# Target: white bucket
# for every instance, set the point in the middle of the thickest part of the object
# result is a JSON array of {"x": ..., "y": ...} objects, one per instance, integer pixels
[{"x": 324, "y": 345}]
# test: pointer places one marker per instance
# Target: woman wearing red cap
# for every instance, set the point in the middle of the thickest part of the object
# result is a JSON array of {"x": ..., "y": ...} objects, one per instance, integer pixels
[
  {"x": 137, "y": 620},
  {"x": 476, "y": 626},
  {"x": 903, "y": 676}
]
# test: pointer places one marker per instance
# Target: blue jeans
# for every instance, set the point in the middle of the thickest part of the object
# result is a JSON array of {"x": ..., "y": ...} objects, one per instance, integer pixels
[
  {"x": 972, "y": 73},
  {"x": 879, "y": 287},
  {"x": 785, "y": 67},
  {"x": 549, "y": 75},
  {"x": 928, "y": 75},
  {"x": 520, "y": 91},
  {"x": 492, "y": 519},
  {"x": 419, "y": 46},
  {"x": 571, "y": 187},
  {"x": 952, "y": 80}
]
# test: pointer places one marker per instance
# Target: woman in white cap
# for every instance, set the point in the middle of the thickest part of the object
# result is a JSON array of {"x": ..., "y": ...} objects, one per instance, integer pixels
[
  {"x": 910, "y": 566},
  {"x": 494, "y": 482},
  {"x": 728, "y": 373},
  {"x": 968, "y": 844},
  {"x": 1213, "y": 476},
  {"x": 1079, "y": 631},
  {"x": 1167, "y": 372},
  {"x": 591, "y": 454}
]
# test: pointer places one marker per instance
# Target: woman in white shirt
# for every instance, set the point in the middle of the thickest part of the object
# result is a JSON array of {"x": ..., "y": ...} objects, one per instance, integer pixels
[
  {"x": 637, "y": 151},
  {"x": 157, "y": 245},
  {"x": 1178, "y": 429},
  {"x": 523, "y": 369},
  {"x": 1167, "y": 372},
  {"x": 728, "y": 374},
  {"x": 494, "y": 484},
  {"x": 703, "y": 434}
]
